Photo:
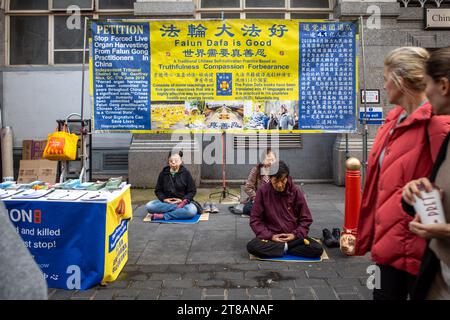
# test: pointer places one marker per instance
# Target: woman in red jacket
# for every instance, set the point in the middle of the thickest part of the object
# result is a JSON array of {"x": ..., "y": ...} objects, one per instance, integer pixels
[{"x": 404, "y": 149}]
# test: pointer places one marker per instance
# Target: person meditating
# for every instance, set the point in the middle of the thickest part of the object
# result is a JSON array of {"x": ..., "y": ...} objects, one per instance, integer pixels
[
  {"x": 281, "y": 219},
  {"x": 175, "y": 190},
  {"x": 257, "y": 178}
]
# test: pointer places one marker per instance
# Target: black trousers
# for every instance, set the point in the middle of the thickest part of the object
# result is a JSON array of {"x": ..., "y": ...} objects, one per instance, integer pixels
[
  {"x": 267, "y": 248},
  {"x": 394, "y": 284}
]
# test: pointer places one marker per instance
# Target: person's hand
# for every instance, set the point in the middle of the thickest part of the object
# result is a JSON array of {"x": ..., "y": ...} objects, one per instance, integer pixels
[
  {"x": 283, "y": 237},
  {"x": 277, "y": 238},
  {"x": 412, "y": 188},
  {"x": 429, "y": 231},
  {"x": 286, "y": 237}
]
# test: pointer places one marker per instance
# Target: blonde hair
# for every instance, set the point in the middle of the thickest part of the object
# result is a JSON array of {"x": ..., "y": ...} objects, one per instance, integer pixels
[{"x": 408, "y": 63}]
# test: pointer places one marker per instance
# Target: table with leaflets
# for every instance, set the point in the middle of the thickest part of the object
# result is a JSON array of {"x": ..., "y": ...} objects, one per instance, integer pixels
[{"x": 79, "y": 238}]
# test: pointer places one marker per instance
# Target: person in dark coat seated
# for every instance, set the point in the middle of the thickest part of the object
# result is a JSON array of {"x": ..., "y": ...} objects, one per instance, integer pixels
[
  {"x": 175, "y": 190},
  {"x": 281, "y": 219}
]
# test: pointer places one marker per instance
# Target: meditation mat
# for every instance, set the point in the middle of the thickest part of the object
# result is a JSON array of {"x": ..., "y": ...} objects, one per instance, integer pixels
[
  {"x": 291, "y": 258},
  {"x": 195, "y": 219}
]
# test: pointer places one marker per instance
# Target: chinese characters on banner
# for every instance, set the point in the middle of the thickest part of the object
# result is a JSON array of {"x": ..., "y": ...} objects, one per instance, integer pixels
[
  {"x": 225, "y": 74},
  {"x": 327, "y": 76}
]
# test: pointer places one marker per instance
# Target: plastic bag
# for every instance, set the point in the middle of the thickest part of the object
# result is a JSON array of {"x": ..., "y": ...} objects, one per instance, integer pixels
[{"x": 61, "y": 146}]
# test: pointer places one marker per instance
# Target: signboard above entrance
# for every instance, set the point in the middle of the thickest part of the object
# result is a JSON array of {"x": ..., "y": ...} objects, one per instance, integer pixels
[{"x": 437, "y": 18}]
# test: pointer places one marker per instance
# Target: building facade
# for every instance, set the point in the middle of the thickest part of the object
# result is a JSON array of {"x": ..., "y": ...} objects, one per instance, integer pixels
[{"x": 41, "y": 74}]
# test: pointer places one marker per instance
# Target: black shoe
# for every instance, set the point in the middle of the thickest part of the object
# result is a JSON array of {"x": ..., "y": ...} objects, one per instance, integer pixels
[
  {"x": 328, "y": 239},
  {"x": 336, "y": 233}
]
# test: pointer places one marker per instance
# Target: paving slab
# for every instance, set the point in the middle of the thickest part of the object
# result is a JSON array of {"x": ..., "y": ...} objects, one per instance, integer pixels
[{"x": 209, "y": 261}]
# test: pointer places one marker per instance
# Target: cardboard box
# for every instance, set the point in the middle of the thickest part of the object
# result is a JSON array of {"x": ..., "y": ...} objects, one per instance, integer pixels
[
  {"x": 32, "y": 170},
  {"x": 38, "y": 148},
  {"x": 33, "y": 149},
  {"x": 26, "y": 149}
]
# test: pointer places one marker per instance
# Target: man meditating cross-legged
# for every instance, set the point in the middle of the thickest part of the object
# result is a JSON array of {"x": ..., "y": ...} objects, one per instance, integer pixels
[{"x": 281, "y": 219}]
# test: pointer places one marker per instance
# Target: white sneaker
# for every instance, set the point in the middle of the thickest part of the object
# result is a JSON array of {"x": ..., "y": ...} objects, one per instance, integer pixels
[
  {"x": 214, "y": 209},
  {"x": 147, "y": 218},
  {"x": 207, "y": 207}
]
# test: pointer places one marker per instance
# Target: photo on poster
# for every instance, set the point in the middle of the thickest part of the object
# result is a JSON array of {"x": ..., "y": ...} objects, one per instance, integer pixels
[
  {"x": 195, "y": 117},
  {"x": 254, "y": 116},
  {"x": 168, "y": 116},
  {"x": 282, "y": 115},
  {"x": 223, "y": 115}
]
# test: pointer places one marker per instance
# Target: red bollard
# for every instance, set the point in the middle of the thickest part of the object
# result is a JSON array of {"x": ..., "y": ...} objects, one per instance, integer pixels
[{"x": 352, "y": 205}]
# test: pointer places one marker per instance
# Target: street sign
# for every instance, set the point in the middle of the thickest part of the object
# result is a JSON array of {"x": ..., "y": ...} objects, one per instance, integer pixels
[
  {"x": 373, "y": 96},
  {"x": 437, "y": 18},
  {"x": 374, "y": 115}
]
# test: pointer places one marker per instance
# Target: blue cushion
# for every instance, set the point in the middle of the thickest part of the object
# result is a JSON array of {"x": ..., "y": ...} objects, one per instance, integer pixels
[
  {"x": 193, "y": 220},
  {"x": 291, "y": 258}
]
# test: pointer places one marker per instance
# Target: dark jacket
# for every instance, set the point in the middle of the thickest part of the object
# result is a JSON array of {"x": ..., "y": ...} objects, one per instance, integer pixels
[
  {"x": 280, "y": 212},
  {"x": 181, "y": 185},
  {"x": 430, "y": 262}
]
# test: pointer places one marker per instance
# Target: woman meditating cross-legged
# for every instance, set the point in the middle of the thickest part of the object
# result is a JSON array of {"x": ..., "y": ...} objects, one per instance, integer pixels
[{"x": 175, "y": 190}]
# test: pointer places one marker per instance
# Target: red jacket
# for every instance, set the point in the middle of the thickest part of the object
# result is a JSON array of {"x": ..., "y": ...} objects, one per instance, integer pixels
[
  {"x": 280, "y": 212},
  {"x": 411, "y": 149}
]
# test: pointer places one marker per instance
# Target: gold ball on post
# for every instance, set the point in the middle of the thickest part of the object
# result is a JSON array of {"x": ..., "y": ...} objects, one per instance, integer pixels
[
  {"x": 353, "y": 164},
  {"x": 347, "y": 244}
]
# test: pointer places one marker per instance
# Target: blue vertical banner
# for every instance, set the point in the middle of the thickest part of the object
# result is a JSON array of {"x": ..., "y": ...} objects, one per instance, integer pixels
[
  {"x": 327, "y": 76},
  {"x": 120, "y": 77}
]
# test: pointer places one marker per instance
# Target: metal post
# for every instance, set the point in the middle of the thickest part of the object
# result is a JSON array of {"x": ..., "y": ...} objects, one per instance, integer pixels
[
  {"x": 1, "y": 116},
  {"x": 365, "y": 128},
  {"x": 83, "y": 140},
  {"x": 346, "y": 146}
]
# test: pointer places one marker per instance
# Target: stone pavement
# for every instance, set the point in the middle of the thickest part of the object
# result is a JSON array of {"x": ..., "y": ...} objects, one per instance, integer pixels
[{"x": 209, "y": 261}]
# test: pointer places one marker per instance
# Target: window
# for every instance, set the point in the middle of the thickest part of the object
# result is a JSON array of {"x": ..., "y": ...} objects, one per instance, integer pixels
[
  {"x": 29, "y": 40},
  {"x": 264, "y": 3},
  {"x": 39, "y": 34},
  {"x": 28, "y": 5},
  {"x": 218, "y": 15},
  {"x": 117, "y": 17},
  {"x": 220, "y": 3},
  {"x": 269, "y": 9},
  {"x": 68, "y": 41},
  {"x": 116, "y": 4},
  {"x": 310, "y": 15},
  {"x": 310, "y": 4},
  {"x": 264, "y": 15},
  {"x": 64, "y": 4},
  {"x": 52, "y": 38}
]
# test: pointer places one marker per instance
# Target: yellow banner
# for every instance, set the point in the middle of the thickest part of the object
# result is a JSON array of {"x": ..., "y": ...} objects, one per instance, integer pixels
[
  {"x": 224, "y": 60},
  {"x": 118, "y": 216},
  {"x": 215, "y": 75}
]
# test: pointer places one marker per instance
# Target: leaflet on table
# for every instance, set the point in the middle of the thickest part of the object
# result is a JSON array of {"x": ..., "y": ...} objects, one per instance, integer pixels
[
  {"x": 83, "y": 186},
  {"x": 32, "y": 194},
  {"x": 96, "y": 196},
  {"x": 8, "y": 193},
  {"x": 116, "y": 187},
  {"x": 31, "y": 185},
  {"x": 66, "y": 195},
  {"x": 7, "y": 184},
  {"x": 104, "y": 195}
]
